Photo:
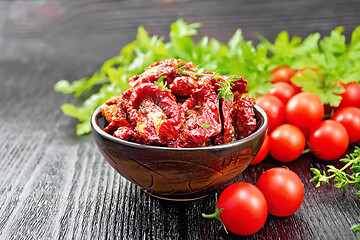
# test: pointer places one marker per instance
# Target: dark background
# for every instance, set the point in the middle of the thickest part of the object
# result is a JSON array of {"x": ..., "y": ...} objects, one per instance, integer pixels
[{"x": 55, "y": 185}]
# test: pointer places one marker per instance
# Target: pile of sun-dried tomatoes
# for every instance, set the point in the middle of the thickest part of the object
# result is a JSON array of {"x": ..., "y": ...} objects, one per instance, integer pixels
[{"x": 170, "y": 104}]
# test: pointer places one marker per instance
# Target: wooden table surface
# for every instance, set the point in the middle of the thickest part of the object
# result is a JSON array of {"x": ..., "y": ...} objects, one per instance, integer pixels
[{"x": 55, "y": 185}]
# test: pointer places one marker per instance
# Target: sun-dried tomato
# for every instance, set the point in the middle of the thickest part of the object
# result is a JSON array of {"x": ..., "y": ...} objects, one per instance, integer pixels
[
  {"x": 239, "y": 86},
  {"x": 127, "y": 134},
  {"x": 229, "y": 134},
  {"x": 158, "y": 69},
  {"x": 109, "y": 109},
  {"x": 115, "y": 124},
  {"x": 202, "y": 118},
  {"x": 244, "y": 111},
  {"x": 182, "y": 86},
  {"x": 188, "y": 114},
  {"x": 156, "y": 113}
]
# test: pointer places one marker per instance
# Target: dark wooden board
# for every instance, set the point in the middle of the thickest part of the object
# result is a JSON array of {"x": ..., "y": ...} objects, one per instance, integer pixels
[{"x": 55, "y": 185}]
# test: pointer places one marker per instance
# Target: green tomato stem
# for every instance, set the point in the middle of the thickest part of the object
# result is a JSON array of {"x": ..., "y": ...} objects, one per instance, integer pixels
[
  {"x": 216, "y": 215},
  {"x": 307, "y": 150}
]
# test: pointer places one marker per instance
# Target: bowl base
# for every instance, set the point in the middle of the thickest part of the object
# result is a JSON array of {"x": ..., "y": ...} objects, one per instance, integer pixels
[{"x": 179, "y": 198}]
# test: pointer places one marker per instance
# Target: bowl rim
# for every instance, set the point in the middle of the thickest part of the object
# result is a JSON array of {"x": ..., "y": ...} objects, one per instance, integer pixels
[{"x": 262, "y": 128}]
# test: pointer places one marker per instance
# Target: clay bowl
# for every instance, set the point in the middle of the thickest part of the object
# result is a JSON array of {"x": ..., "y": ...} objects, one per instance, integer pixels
[{"x": 178, "y": 173}]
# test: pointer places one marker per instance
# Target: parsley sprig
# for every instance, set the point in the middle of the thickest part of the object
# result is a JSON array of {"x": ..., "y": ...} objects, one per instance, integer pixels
[
  {"x": 340, "y": 177},
  {"x": 335, "y": 59},
  {"x": 226, "y": 85}
]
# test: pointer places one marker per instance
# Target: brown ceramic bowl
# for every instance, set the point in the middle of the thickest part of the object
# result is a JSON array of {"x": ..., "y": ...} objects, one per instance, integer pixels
[{"x": 178, "y": 173}]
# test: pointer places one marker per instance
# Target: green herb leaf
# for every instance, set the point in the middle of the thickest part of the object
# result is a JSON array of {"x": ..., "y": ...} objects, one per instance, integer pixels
[
  {"x": 355, "y": 40},
  {"x": 161, "y": 84},
  {"x": 335, "y": 43},
  {"x": 340, "y": 178},
  {"x": 205, "y": 126},
  {"x": 314, "y": 82}
]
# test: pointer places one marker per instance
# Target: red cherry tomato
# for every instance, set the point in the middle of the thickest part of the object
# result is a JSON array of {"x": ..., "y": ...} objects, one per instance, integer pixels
[
  {"x": 283, "y": 90},
  {"x": 287, "y": 142},
  {"x": 328, "y": 140},
  {"x": 263, "y": 152},
  {"x": 245, "y": 208},
  {"x": 304, "y": 110},
  {"x": 283, "y": 191},
  {"x": 274, "y": 109},
  {"x": 282, "y": 74},
  {"x": 349, "y": 117},
  {"x": 351, "y": 96}
]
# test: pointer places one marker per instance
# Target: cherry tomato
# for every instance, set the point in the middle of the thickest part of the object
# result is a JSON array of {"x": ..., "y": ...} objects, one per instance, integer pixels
[
  {"x": 328, "y": 140},
  {"x": 351, "y": 96},
  {"x": 304, "y": 110},
  {"x": 263, "y": 152},
  {"x": 283, "y": 90},
  {"x": 282, "y": 74},
  {"x": 274, "y": 108},
  {"x": 349, "y": 117},
  {"x": 245, "y": 208},
  {"x": 287, "y": 142},
  {"x": 283, "y": 191}
]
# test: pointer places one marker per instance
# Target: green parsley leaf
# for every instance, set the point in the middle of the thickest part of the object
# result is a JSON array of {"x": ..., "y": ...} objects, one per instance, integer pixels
[
  {"x": 205, "y": 126},
  {"x": 355, "y": 40},
  {"x": 335, "y": 43},
  {"x": 314, "y": 82},
  {"x": 65, "y": 87}
]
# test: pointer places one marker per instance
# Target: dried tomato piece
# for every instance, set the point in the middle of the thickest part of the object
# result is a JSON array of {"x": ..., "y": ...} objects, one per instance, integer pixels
[
  {"x": 109, "y": 109},
  {"x": 155, "y": 112},
  {"x": 245, "y": 116},
  {"x": 151, "y": 74},
  {"x": 158, "y": 69},
  {"x": 126, "y": 133},
  {"x": 115, "y": 124},
  {"x": 122, "y": 104},
  {"x": 114, "y": 111},
  {"x": 155, "y": 71},
  {"x": 202, "y": 118},
  {"x": 238, "y": 118},
  {"x": 229, "y": 134},
  {"x": 182, "y": 86},
  {"x": 207, "y": 80},
  {"x": 239, "y": 86}
]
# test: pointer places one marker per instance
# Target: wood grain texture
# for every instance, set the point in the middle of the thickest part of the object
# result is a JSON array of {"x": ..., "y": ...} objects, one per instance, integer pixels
[{"x": 55, "y": 185}]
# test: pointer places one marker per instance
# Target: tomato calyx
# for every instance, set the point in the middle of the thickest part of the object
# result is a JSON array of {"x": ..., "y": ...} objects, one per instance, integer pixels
[
  {"x": 216, "y": 215},
  {"x": 308, "y": 150}
]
